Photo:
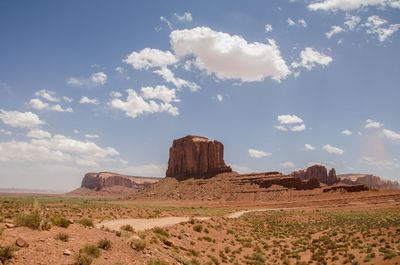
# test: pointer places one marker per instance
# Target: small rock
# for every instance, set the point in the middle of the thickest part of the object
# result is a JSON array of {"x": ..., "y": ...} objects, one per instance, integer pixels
[
  {"x": 186, "y": 235},
  {"x": 8, "y": 225},
  {"x": 70, "y": 221},
  {"x": 42, "y": 240},
  {"x": 21, "y": 242},
  {"x": 67, "y": 252},
  {"x": 168, "y": 242}
]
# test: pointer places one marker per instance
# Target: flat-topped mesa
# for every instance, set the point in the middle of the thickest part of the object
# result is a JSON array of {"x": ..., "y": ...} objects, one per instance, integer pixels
[
  {"x": 98, "y": 181},
  {"x": 196, "y": 156}
]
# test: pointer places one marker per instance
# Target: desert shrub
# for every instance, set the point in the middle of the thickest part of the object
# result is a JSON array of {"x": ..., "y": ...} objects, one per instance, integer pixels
[
  {"x": 161, "y": 231},
  {"x": 193, "y": 252},
  {"x": 32, "y": 220},
  {"x": 6, "y": 253},
  {"x": 82, "y": 259},
  {"x": 90, "y": 250},
  {"x": 142, "y": 235},
  {"x": 157, "y": 262},
  {"x": 86, "y": 222},
  {"x": 62, "y": 236},
  {"x": 198, "y": 228},
  {"x": 139, "y": 245},
  {"x": 60, "y": 221},
  {"x": 213, "y": 259},
  {"x": 104, "y": 243},
  {"x": 127, "y": 228}
]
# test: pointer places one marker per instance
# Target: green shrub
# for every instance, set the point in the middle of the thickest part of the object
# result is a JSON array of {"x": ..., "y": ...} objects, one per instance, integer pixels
[
  {"x": 6, "y": 253},
  {"x": 157, "y": 262},
  {"x": 62, "y": 236},
  {"x": 127, "y": 228},
  {"x": 90, "y": 250},
  {"x": 60, "y": 221},
  {"x": 104, "y": 243},
  {"x": 82, "y": 259},
  {"x": 160, "y": 231},
  {"x": 198, "y": 228},
  {"x": 32, "y": 220},
  {"x": 139, "y": 245},
  {"x": 86, "y": 222}
]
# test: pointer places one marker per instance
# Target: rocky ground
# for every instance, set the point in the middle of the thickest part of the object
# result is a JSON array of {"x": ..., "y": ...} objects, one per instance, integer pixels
[{"x": 333, "y": 228}]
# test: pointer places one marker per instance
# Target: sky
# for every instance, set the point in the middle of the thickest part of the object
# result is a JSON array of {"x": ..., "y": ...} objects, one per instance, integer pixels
[{"x": 98, "y": 85}]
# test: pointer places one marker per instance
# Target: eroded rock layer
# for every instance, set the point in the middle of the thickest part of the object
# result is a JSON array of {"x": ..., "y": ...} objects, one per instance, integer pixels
[
  {"x": 318, "y": 172},
  {"x": 371, "y": 181}
]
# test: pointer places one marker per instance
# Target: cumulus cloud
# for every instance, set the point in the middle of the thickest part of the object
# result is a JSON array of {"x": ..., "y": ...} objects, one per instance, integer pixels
[
  {"x": 281, "y": 128},
  {"x": 136, "y": 104},
  {"x": 185, "y": 17},
  {"x": 88, "y": 136},
  {"x": 40, "y": 105},
  {"x": 352, "y": 22},
  {"x": 38, "y": 133},
  {"x": 95, "y": 79},
  {"x": 334, "y": 30},
  {"x": 20, "y": 119},
  {"x": 290, "y": 22},
  {"x": 309, "y": 147},
  {"x": 287, "y": 164},
  {"x": 257, "y": 153},
  {"x": 87, "y": 100},
  {"x": 74, "y": 81},
  {"x": 310, "y": 58},
  {"x": 373, "y": 124},
  {"x": 268, "y": 28},
  {"x": 115, "y": 94},
  {"x": 345, "y": 5},
  {"x": 68, "y": 99},
  {"x": 169, "y": 77},
  {"x": 375, "y": 24},
  {"x": 391, "y": 135},
  {"x": 150, "y": 58},
  {"x": 298, "y": 128},
  {"x": 99, "y": 78},
  {"x": 289, "y": 119},
  {"x": 230, "y": 57},
  {"x": 162, "y": 93},
  {"x": 300, "y": 22},
  {"x": 333, "y": 150},
  {"x": 346, "y": 132},
  {"x": 219, "y": 97},
  {"x": 241, "y": 169},
  {"x": 47, "y": 94}
]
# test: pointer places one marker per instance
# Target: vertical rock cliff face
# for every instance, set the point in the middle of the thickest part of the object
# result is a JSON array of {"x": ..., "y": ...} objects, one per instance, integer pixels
[
  {"x": 196, "y": 156},
  {"x": 318, "y": 172}
]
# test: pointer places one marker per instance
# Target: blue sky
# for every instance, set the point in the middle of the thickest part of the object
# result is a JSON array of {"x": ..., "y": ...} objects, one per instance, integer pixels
[{"x": 107, "y": 86}]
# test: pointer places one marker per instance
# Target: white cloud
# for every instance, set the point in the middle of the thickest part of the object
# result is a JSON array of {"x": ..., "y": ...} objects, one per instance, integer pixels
[
  {"x": 136, "y": 105},
  {"x": 309, "y": 147},
  {"x": 68, "y": 99},
  {"x": 289, "y": 119},
  {"x": 352, "y": 22},
  {"x": 298, "y": 128},
  {"x": 185, "y": 17},
  {"x": 281, "y": 128},
  {"x": 373, "y": 124},
  {"x": 150, "y": 58},
  {"x": 257, "y": 153},
  {"x": 91, "y": 136},
  {"x": 5, "y": 132},
  {"x": 346, "y": 132},
  {"x": 374, "y": 26},
  {"x": 47, "y": 94},
  {"x": 241, "y": 169},
  {"x": 290, "y": 22},
  {"x": 99, "y": 78},
  {"x": 162, "y": 93},
  {"x": 333, "y": 150},
  {"x": 268, "y": 28},
  {"x": 169, "y": 77},
  {"x": 219, "y": 97},
  {"x": 85, "y": 99},
  {"x": 120, "y": 69},
  {"x": 300, "y": 22},
  {"x": 334, "y": 30},
  {"x": 115, "y": 94},
  {"x": 73, "y": 81},
  {"x": 391, "y": 135},
  {"x": 311, "y": 57},
  {"x": 287, "y": 164},
  {"x": 230, "y": 57},
  {"x": 162, "y": 18},
  {"x": 40, "y": 105},
  {"x": 38, "y": 133},
  {"x": 20, "y": 119},
  {"x": 345, "y": 5}
]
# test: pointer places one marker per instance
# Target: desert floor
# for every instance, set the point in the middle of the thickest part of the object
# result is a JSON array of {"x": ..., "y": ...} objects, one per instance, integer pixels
[{"x": 327, "y": 228}]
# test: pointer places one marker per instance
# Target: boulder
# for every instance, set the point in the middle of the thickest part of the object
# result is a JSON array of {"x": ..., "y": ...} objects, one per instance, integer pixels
[
  {"x": 21, "y": 242},
  {"x": 196, "y": 156}
]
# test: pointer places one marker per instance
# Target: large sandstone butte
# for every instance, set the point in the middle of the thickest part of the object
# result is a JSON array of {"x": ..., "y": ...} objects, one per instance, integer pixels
[
  {"x": 108, "y": 183},
  {"x": 371, "y": 181},
  {"x": 318, "y": 172},
  {"x": 196, "y": 156}
]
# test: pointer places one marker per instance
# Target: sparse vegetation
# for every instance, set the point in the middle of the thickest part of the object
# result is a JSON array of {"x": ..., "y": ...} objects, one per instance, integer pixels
[
  {"x": 82, "y": 259},
  {"x": 90, "y": 250},
  {"x": 86, "y": 222},
  {"x": 198, "y": 228},
  {"x": 62, "y": 236},
  {"x": 161, "y": 231},
  {"x": 157, "y": 262},
  {"x": 60, "y": 221},
  {"x": 6, "y": 253},
  {"x": 128, "y": 228},
  {"x": 32, "y": 220},
  {"x": 104, "y": 244}
]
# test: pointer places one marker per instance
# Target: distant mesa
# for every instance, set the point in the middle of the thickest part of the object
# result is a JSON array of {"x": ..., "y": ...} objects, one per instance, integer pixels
[
  {"x": 196, "y": 156},
  {"x": 319, "y": 172},
  {"x": 371, "y": 181},
  {"x": 108, "y": 183}
]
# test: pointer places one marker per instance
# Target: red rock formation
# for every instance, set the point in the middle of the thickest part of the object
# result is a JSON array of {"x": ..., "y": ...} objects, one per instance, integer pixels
[
  {"x": 318, "y": 172},
  {"x": 371, "y": 181},
  {"x": 196, "y": 156},
  {"x": 99, "y": 181},
  {"x": 348, "y": 188}
]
